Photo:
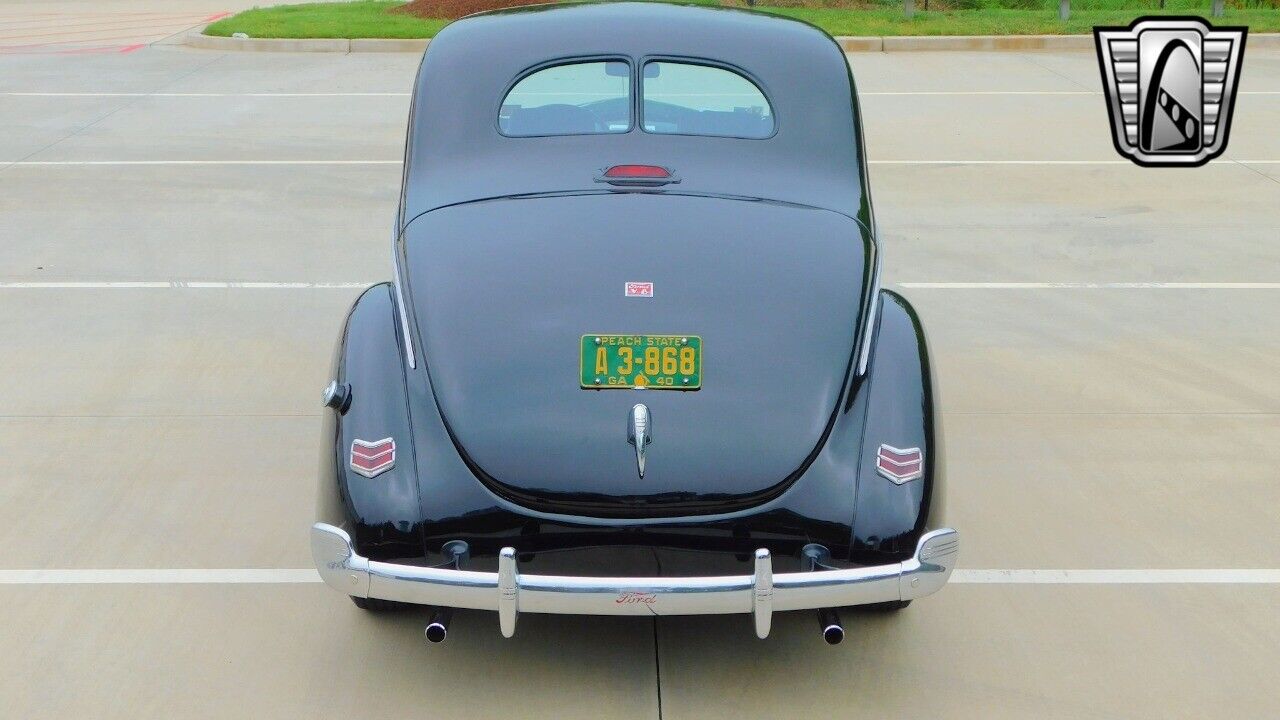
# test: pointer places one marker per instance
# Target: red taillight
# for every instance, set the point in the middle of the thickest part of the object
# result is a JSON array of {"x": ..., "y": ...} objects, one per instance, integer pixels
[
  {"x": 637, "y": 176},
  {"x": 637, "y": 171}
]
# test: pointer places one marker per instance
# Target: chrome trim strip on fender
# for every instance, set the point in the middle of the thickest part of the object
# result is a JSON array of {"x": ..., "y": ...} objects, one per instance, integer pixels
[
  {"x": 510, "y": 593},
  {"x": 401, "y": 309},
  {"x": 864, "y": 352}
]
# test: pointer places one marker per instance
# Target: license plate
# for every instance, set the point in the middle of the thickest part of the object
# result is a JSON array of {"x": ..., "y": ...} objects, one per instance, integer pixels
[{"x": 653, "y": 362}]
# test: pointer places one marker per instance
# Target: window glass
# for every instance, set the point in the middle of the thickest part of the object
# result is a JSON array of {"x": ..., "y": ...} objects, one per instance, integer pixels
[
  {"x": 576, "y": 99},
  {"x": 686, "y": 99}
]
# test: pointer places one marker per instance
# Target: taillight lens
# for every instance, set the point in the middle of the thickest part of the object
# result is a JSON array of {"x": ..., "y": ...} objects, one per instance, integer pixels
[
  {"x": 640, "y": 176},
  {"x": 655, "y": 172}
]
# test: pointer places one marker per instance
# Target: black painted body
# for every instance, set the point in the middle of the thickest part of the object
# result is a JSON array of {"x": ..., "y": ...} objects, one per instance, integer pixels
[{"x": 507, "y": 251}]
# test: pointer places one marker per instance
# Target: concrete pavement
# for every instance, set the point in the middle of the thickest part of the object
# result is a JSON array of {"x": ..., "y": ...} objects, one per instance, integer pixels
[
  {"x": 104, "y": 27},
  {"x": 177, "y": 428}
]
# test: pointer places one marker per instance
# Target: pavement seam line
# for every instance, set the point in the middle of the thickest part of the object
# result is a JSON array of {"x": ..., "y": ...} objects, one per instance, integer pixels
[
  {"x": 657, "y": 665},
  {"x": 1073, "y": 81},
  {"x": 130, "y": 103},
  {"x": 1245, "y": 164}
]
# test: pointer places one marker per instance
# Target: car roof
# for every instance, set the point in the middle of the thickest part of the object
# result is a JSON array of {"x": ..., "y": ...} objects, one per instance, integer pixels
[{"x": 455, "y": 153}]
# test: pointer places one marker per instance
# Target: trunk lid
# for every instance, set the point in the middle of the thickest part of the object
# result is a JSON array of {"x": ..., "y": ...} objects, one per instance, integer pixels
[{"x": 503, "y": 290}]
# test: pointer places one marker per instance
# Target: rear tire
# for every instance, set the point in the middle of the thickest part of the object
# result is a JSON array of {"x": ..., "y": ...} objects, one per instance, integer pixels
[{"x": 377, "y": 604}]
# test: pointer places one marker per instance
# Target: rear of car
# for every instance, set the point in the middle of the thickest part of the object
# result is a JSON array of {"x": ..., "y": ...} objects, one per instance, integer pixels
[{"x": 635, "y": 340}]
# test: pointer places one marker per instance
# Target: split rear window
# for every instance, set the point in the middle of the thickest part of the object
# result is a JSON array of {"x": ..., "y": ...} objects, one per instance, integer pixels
[
  {"x": 687, "y": 99},
  {"x": 585, "y": 98},
  {"x": 595, "y": 97}
]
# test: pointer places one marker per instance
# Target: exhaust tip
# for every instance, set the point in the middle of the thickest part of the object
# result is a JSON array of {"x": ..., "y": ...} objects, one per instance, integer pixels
[
  {"x": 832, "y": 630},
  {"x": 438, "y": 629}
]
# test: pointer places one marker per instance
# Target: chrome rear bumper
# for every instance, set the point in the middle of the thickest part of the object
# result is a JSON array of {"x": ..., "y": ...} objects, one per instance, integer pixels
[{"x": 509, "y": 592}]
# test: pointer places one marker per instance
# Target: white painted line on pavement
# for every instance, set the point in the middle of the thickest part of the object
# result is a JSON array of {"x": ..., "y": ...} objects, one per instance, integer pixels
[
  {"x": 1223, "y": 161},
  {"x": 117, "y": 163},
  {"x": 904, "y": 93},
  {"x": 1091, "y": 285},
  {"x": 1242, "y": 576},
  {"x": 61, "y": 163},
  {"x": 1027, "y": 92},
  {"x": 266, "y": 576},
  {"x": 207, "y": 94},
  {"x": 999, "y": 162},
  {"x": 181, "y": 285},
  {"x": 981, "y": 92},
  {"x": 255, "y": 285},
  {"x": 234, "y": 576}
]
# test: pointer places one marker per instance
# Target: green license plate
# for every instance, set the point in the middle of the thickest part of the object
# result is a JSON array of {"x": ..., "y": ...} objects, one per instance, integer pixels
[{"x": 654, "y": 362}]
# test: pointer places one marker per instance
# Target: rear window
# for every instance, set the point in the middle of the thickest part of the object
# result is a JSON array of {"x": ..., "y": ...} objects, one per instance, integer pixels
[
  {"x": 583, "y": 98},
  {"x": 688, "y": 99}
]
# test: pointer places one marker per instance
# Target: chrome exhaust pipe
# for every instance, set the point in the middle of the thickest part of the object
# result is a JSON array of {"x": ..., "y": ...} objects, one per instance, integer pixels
[
  {"x": 832, "y": 630},
  {"x": 438, "y": 629}
]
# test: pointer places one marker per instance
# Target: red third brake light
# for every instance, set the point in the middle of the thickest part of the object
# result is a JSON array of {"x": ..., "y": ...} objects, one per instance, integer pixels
[
  {"x": 637, "y": 171},
  {"x": 637, "y": 176}
]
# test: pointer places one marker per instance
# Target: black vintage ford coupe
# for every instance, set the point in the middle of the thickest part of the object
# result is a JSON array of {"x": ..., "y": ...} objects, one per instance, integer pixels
[{"x": 635, "y": 358}]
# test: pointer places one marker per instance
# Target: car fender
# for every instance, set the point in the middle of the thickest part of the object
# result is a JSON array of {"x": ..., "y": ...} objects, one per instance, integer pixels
[
  {"x": 899, "y": 404},
  {"x": 380, "y": 512}
]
